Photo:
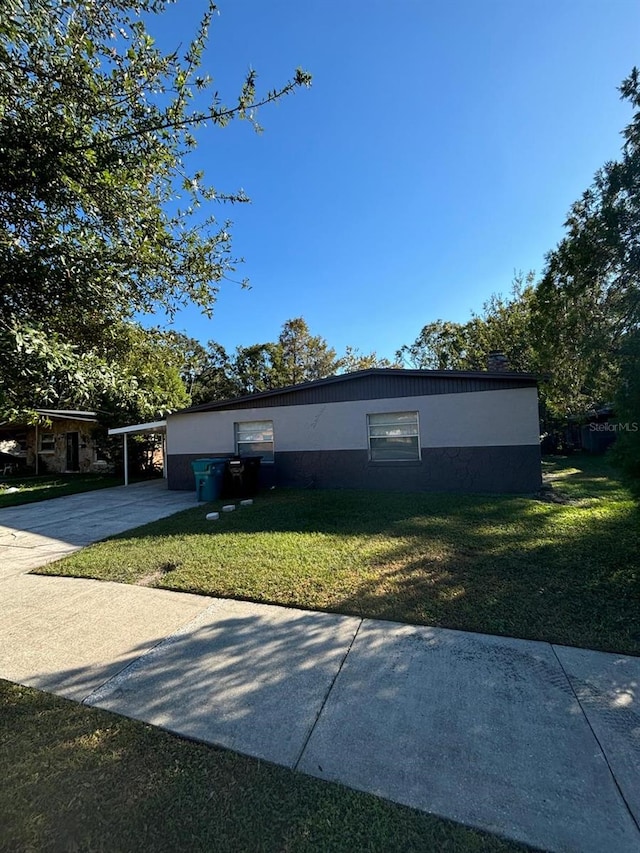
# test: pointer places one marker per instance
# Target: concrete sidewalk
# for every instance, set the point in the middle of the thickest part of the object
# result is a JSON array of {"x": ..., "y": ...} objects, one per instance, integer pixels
[{"x": 536, "y": 742}]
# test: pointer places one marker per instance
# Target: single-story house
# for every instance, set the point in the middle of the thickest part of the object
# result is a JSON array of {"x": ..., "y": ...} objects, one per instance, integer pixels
[
  {"x": 62, "y": 442},
  {"x": 600, "y": 430},
  {"x": 408, "y": 430}
]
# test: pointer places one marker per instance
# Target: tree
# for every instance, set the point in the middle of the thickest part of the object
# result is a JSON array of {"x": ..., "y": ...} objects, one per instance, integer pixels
[
  {"x": 99, "y": 215},
  {"x": 441, "y": 345},
  {"x": 505, "y": 325},
  {"x": 301, "y": 356},
  {"x": 150, "y": 383},
  {"x": 255, "y": 368},
  {"x": 588, "y": 302},
  {"x": 627, "y": 407},
  {"x": 353, "y": 360}
]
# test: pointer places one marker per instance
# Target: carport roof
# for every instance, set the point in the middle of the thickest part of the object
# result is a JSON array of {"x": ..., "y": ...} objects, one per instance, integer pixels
[{"x": 151, "y": 426}]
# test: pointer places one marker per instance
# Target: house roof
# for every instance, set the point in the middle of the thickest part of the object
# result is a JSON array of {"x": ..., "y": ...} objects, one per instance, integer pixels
[
  {"x": 53, "y": 414},
  {"x": 374, "y": 383},
  {"x": 68, "y": 414}
]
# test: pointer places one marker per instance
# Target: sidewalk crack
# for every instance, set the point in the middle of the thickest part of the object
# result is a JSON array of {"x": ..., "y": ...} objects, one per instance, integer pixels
[
  {"x": 328, "y": 693},
  {"x": 597, "y": 740}
]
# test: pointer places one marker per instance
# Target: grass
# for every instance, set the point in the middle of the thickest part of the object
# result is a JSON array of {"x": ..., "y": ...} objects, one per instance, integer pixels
[
  {"x": 562, "y": 572},
  {"x": 33, "y": 489},
  {"x": 76, "y": 778}
]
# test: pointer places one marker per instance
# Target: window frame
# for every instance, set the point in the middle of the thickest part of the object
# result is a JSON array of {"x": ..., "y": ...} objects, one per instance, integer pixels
[
  {"x": 238, "y": 442},
  {"x": 51, "y": 442},
  {"x": 416, "y": 435}
]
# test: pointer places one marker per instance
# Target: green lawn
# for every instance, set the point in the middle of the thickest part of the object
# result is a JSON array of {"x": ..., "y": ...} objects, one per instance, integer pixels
[
  {"x": 75, "y": 778},
  {"x": 32, "y": 489},
  {"x": 562, "y": 572}
]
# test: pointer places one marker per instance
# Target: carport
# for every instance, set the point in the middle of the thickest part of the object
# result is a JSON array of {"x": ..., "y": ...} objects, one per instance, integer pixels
[{"x": 157, "y": 427}]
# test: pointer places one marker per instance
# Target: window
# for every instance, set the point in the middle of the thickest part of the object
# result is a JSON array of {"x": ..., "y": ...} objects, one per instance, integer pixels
[
  {"x": 394, "y": 437},
  {"x": 47, "y": 442},
  {"x": 255, "y": 438}
]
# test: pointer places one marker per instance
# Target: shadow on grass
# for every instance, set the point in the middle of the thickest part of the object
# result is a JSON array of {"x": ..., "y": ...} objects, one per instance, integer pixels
[
  {"x": 509, "y": 566},
  {"x": 47, "y": 487},
  {"x": 564, "y": 573},
  {"x": 257, "y": 681}
]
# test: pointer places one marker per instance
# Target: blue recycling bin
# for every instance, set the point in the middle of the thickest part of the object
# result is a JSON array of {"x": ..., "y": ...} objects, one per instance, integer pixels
[{"x": 208, "y": 474}]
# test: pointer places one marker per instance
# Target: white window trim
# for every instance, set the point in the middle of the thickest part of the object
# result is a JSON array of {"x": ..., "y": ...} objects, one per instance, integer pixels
[
  {"x": 412, "y": 461},
  {"x": 237, "y": 444}
]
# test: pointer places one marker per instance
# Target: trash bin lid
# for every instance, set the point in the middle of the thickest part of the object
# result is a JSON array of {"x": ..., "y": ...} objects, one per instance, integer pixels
[{"x": 201, "y": 466}]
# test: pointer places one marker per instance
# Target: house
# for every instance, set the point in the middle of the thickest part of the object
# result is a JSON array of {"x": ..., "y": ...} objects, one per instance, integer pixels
[
  {"x": 63, "y": 441},
  {"x": 409, "y": 430}
]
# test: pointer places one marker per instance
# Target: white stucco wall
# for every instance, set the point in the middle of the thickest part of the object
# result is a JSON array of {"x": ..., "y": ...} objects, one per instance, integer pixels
[{"x": 475, "y": 419}]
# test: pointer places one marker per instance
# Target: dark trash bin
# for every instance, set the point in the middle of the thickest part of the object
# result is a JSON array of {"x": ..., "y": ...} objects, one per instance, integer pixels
[
  {"x": 209, "y": 474},
  {"x": 241, "y": 477}
]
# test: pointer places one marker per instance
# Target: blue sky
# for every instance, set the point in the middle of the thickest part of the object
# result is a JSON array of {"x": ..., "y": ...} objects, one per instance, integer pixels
[{"x": 437, "y": 152}]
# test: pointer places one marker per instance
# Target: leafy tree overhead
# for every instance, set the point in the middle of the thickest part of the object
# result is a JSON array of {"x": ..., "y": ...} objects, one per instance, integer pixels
[
  {"x": 100, "y": 218},
  {"x": 150, "y": 382},
  {"x": 588, "y": 302},
  {"x": 587, "y": 308}
]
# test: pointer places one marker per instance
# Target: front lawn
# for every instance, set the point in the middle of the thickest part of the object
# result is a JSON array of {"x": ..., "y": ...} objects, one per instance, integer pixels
[
  {"x": 32, "y": 489},
  {"x": 565, "y": 572},
  {"x": 76, "y": 778}
]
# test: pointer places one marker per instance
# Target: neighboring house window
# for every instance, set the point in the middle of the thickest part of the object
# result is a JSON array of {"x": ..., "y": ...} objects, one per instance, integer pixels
[
  {"x": 255, "y": 438},
  {"x": 47, "y": 442},
  {"x": 394, "y": 437}
]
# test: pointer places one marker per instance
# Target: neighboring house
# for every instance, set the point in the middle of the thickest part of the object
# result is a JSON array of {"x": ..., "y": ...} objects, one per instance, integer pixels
[
  {"x": 409, "y": 430},
  {"x": 600, "y": 430},
  {"x": 62, "y": 442}
]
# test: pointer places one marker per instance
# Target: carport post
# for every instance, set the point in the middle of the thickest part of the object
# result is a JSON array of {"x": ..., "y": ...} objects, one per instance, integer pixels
[
  {"x": 126, "y": 461},
  {"x": 164, "y": 454}
]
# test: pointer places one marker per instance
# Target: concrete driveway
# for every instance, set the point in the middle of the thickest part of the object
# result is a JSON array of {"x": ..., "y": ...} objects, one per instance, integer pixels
[
  {"x": 536, "y": 742},
  {"x": 35, "y": 534}
]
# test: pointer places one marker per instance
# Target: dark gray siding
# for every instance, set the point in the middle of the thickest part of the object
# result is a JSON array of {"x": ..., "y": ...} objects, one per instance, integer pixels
[
  {"x": 376, "y": 388},
  {"x": 497, "y": 470},
  {"x": 375, "y": 385},
  {"x": 180, "y": 473}
]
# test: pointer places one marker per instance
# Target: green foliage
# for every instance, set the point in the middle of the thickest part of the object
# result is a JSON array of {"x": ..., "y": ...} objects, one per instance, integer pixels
[
  {"x": 626, "y": 450},
  {"x": 353, "y": 360},
  {"x": 149, "y": 384},
  {"x": 592, "y": 278},
  {"x": 441, "y": 345},
  {"x": 504, "y": 325},
  {"x": 99, "y": 216},
  {"x": 587, "y": 313},
  {"x": 256, "y": 368},
  {"x": 301, "y": 356},
  {"x": 297, "y": 356}
]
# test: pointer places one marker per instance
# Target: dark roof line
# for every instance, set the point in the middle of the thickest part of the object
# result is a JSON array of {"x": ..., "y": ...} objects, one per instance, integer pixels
[{"x": 371, "y": 371}]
